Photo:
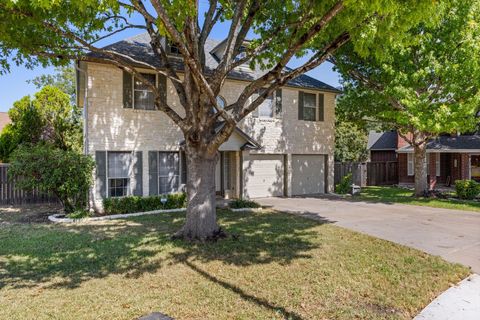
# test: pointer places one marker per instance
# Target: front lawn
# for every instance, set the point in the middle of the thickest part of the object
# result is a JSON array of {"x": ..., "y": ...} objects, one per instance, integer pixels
[
  {"x": 403, "y": 195},
  {"x": 276, "y": 266}
]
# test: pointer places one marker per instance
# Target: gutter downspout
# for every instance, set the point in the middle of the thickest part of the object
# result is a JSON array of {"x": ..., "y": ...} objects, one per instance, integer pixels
[{"x": 85, "y": 103}]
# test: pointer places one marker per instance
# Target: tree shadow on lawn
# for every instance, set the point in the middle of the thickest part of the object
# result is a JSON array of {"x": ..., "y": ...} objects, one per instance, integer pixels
[{"x": 66, "y": 255}]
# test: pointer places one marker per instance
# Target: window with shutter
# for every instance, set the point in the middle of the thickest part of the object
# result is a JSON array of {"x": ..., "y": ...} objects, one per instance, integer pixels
[
  {"x": 309, "y": 106},
  {"x": 119, "y": 172},
  {"x": 168, "y": 172},
  {"x": 437, "y": 165},
  {"x": 138, "y": 95},
  {"x": 410, "y": 164}
]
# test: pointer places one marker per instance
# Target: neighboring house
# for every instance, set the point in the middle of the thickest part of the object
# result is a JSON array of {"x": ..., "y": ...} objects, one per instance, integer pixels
[
  {"x": 382, "y": 146},
  {"x": 4, "y": 120},
  {"x": 449, "y": 158},
  {"x": 284, "y": 148}
]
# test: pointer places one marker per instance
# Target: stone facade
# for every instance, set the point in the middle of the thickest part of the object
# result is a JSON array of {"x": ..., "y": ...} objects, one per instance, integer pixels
[{"x": 110, "y": 127}]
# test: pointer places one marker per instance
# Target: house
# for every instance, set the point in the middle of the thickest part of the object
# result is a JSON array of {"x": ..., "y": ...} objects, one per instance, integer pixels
[
  {"x": 284, "y": 148},
  {"x": 382, "y": 146},
  {"x": 449, "y": 158},
  {"x": 4, "y": 120}
]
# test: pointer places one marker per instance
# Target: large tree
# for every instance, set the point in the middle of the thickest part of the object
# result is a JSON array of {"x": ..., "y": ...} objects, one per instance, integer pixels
[
  {"x": 428, "y": 88},
  {"x": 50, "y": 32}
]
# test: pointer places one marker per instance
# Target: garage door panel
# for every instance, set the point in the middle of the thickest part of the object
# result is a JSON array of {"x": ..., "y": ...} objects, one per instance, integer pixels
[
  {"x": 264, "y": 176},
  {"x": 308, "y": 174}
]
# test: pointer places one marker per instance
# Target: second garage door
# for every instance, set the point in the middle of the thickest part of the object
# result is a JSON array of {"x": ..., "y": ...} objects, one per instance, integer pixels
[
  {"x": 263, "y": 175},
  {"x": 308, "y": 174}
]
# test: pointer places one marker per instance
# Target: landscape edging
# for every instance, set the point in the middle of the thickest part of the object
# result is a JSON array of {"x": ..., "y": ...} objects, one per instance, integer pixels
[{"x": 60, "y": 218}]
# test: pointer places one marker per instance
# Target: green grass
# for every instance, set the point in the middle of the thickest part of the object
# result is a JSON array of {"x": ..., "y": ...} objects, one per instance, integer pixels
[
  {"x": 402, "y": 195},
  {"x": 277, "y": 266}
]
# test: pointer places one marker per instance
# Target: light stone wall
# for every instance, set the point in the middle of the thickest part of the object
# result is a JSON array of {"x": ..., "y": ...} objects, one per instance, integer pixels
[{"x": 113, "y": 128}]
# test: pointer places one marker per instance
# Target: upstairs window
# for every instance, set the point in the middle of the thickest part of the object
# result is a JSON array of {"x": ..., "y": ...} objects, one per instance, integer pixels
[
  {"x": 265, "y": 109},
  {"x": 143, "y": 97},
  {"x": 309, "y": 107},
  {"x": 137, "y": 94},
  {"x": 173, "y": 48}
]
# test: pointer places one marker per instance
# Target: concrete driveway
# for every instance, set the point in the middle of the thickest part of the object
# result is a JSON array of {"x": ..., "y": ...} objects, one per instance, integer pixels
[{"x": 451, "y": 234}]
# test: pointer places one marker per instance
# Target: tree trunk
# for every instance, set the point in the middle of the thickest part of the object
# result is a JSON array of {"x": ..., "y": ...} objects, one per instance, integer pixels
[
  {"x": 420, "y": 170},
  {"x": 201, "y": 220}
]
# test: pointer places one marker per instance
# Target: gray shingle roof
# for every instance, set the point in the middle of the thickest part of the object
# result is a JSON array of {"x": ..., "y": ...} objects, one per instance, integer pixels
[
  {"x": 449, "y": 143},
  {"x": 382, "y": 140},
  {"x": 138, "y": 47}
]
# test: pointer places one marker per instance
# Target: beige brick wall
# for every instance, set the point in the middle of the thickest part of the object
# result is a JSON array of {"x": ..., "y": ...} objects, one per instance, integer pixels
[{"x": 111, "y": 127}]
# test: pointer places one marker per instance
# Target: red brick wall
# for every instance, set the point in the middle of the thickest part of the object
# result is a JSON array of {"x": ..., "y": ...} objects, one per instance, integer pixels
[
  {"x": 403, "y": 176},
  {"x": 401, "y": 142}
]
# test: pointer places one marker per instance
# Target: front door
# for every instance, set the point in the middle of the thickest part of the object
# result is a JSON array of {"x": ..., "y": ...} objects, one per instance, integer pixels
[{"x": 475, "y": 167}]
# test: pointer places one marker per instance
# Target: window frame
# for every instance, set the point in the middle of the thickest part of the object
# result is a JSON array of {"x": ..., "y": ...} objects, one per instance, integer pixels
[
  {"x": 272, "y": 100},
  {"x": 177, "y": 175},
  {"x": 410, "y": 164},
  {"x": 133, "y": 91},
  {"x": 315, "y": 107},
  {"x": 129, "y": 178}
]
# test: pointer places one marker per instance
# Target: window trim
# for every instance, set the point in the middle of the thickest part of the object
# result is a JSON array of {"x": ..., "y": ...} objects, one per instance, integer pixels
[
  {"x": 410, "y": 164},
  {"x": 129, "y": 186},
  {"x": 133, "y": 91},
  {"x": 179, "y": 170},
  {"x": 315, "y": 107},
  {"x": 437, "y": 164}
]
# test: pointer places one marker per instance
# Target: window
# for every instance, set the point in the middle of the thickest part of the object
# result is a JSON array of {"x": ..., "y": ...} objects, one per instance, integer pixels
[
  {"x": 410, "y": 164},
  {"x": 168, "y": 172},
  {"x": 143, "y": 97},
  {"x": 220, "y": 102},
  {"x": 437, "y": 165},
  {"x": 265, "y": 109},
  {"x": 173, "y": 48},
  {"x": 309, "y": 107},
  {"x": 119, "y": 169}
]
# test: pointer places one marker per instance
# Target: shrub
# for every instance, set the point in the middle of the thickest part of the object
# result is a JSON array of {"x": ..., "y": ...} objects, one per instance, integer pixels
[
  {"x": 133, "y": 204},
  {"x": 467, "y": 189},
  {"x": 345, "y": 184},
  {"x": 65, "y": 174},
  {"x": 79, "y": 214},
  {"x": 241, "y": 203}
]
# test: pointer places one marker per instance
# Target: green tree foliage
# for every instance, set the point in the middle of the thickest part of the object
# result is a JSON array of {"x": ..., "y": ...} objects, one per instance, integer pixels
[
  {"x": 48, "y": 117},
  {"x": 350, "y": 142},
  {"x": 63, "y": 79},
  {"x": 425, "y": 89},
  {"x": 67, "y": 29},
  {"x": 63, "y": 173}
]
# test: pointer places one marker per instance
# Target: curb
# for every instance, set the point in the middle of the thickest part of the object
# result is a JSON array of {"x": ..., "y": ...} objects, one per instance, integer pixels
[
  {"x": 460, "y": 302},
  {"x": 60, "y": 218}
]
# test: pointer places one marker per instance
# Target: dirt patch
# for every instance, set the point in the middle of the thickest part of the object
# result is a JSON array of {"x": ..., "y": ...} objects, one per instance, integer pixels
[{"x": 27, "y": 214}]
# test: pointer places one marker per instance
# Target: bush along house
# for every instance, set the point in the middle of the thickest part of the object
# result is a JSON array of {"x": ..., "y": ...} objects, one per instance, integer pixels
[{"x": 284, "y": 148}]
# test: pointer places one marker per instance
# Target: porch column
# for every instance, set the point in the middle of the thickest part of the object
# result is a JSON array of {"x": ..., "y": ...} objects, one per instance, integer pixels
[
  {"x": 432, "y": 171},
  {"x": 464, "y": 166}
]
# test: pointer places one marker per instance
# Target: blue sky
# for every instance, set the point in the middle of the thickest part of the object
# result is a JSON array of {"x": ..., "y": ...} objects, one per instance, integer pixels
[{"x": 14, "y": 84}]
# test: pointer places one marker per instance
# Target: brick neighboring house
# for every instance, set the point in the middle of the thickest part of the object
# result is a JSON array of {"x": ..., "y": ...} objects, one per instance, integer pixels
[
  {"x": 382, "y": 146},
  {"x": 284, "y": 148},
  {"x": 449, "y": 158}
]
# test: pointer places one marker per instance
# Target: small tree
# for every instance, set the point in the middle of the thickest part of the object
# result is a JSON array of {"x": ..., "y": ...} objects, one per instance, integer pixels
[
  {"x": 423, "y": 90},
  {"x": 350, "y": 142},
  {"x": 48, "y": 117},
  {"x": 63, "y": 173}
]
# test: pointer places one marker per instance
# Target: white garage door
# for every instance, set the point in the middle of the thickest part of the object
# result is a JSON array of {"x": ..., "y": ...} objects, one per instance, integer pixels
[
  {"x": 263, "y": 176},
  {"x": 308, "y": 174}
]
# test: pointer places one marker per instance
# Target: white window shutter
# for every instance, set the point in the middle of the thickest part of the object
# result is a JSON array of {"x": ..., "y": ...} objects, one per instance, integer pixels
[
  {"x": 437, "y": 165},
  {"x": 410, "y": 164}
]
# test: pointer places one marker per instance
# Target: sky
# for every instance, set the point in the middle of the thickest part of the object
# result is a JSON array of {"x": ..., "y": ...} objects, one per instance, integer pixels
[{"x": 13, "y": 85}]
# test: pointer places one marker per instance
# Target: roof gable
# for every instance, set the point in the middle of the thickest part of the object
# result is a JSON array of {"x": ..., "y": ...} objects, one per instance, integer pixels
[{"x": 382, "y": 140}]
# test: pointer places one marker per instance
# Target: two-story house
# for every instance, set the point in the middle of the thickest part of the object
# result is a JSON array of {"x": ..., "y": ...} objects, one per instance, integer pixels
[{"x": 284, "y": 148}]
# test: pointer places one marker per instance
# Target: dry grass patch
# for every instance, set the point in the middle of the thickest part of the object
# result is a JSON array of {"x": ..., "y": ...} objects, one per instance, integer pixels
[{"x": 279, "y": 267}]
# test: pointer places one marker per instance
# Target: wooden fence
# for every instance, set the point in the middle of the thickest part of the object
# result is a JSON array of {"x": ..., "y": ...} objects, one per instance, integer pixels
[
  {"x": 369, "y": 173},
  {"x": 382, "y": 173},
  {"x": 9, "y": 195}
]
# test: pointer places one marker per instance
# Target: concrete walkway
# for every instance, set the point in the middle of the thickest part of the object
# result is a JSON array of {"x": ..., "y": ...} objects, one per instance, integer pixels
[
  {"x": 461, "y": 302},
  {"x": 451, "y": 234}
]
